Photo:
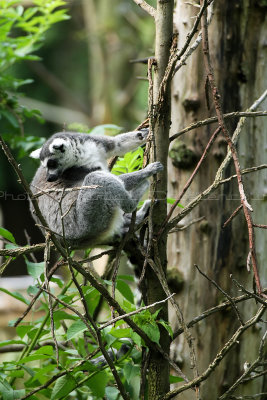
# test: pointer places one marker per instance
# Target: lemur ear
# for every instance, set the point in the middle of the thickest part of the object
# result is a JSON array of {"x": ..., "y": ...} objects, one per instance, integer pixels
[{"x": 36, "y": 153}]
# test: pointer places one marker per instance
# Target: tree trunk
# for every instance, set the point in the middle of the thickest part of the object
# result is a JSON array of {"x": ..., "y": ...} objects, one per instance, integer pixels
[
  {"x": 238, "y": 46},
  {"x": 158, "y": 367}
]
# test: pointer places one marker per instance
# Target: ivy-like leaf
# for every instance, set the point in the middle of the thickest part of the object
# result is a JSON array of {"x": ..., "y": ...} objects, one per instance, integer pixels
[
  {"x": 125, "y": 290},
  {"x": 76, "y": 329},
  {"x": 16, "y": 295},
  {"x": 7, "y": 235},
  {"x": 112, "y": 393},
  {"x": 98, "y": 383},
  {"x": 64, "y": 385},
  {"x": 35, "y": 269}
]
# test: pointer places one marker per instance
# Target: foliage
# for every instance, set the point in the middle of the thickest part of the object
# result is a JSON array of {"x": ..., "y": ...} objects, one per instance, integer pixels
[
  {"x": 22, "y": 33},
  {"x": 74, "y": 375}
]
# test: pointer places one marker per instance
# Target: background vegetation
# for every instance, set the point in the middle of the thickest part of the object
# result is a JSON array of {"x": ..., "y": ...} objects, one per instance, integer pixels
[{"x": 77, "y": 71}]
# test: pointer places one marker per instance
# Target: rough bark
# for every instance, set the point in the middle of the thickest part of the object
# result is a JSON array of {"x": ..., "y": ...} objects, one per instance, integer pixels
[
  {"x": 158, "y": 376},
  {"x": 238, "y": 50}
]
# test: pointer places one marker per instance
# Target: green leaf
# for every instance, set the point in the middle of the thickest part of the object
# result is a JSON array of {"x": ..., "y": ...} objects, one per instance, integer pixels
[
  {"x": 76, "y": 329},
  {"x": 16, "y": 374},
  {"x": 92, "y": 297},
  {"x": 112, "y": 393},
  {"x": 98, "y": 383},
  {"x": 63, "y": 386},
  {"x": 32, "y": 290},
  {"x": 35, "y": 269},
  {"x": 60, "y": 315},
  {"x": 175, "y": 379},
  {"x": 9, "y": 342},
  {"x": 58, "y": 281},
  {"x": 45, "y": 350},
  {"x": 125, "y": 290},
  {"x": 136, "y": 339},
  {"x": 166, "y": 326},
  {"x": 121, "y": 332},
  {"x": 131, "y": 162},
  {"x": 22, "y": 330},
  {"x": 8, "y": 393},
  {"x": 33, "y": 357},
  {"x": 11, "y": 118},
  {"x": 170, "y": 200},
  {"x": 130, "y": 371},
  {"x": 126, "y": 277},
  {"x": 7, "y": 235},
  {"x": 152, "y": 330},
  {"x": 16, "y": 295}
]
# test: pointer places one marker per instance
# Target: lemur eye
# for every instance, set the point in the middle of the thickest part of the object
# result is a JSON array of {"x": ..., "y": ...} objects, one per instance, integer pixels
[
  {"x": 52, "y": 164},
  {"x": 59, "y": 147}
]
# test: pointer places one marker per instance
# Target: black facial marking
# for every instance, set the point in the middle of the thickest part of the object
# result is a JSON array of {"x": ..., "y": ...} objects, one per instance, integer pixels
[
  {"x": 52, "y": 163},
  {"x": 77, "y": 173},
  {"x": 60, "y": 147}
]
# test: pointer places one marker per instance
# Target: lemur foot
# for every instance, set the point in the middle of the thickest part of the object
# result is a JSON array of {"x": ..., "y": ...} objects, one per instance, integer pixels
[
  {"x": 155, "y": 167},
  {"x": 142, "y": 133}
]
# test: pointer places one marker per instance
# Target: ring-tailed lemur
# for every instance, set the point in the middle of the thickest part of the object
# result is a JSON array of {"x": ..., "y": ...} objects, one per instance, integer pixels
[{"x": 89, "y": 217}]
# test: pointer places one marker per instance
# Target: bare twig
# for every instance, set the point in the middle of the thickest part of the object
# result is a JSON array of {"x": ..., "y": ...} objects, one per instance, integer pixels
[
  {"x": 146, "y": 7},
  {"x": 222, "y": 353},
  {"x": 256, "y": 297},
  {"x": 232, "y": 216},
  {"x": 217, "y": 103},
  {"x": 65, "y": 190},
  {"x": 247, "y": 372},
  {"x": 212, "y": 120},
  {"x": 183, "y": 227},
  {"x": 260, "y": 226},
  {"x": 224, "y": 293},
  {"x": 57, "y": 376},
  {"x": 207, "y": 192},
  {"x": 190, "y": 180},
  {"x": 49, "y": 275},
  {"x": 113, "y": 303},
  {"x": 46, "y": 285},
  {"x": 212, "y": 310},
  {"x": 139, "y": 310}
]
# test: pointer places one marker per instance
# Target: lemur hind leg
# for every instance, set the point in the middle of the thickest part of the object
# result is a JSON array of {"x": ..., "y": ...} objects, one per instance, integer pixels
[{"x": 140, "y": 216}]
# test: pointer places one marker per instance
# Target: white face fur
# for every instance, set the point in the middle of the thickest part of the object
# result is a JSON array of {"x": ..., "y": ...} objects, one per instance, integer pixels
[{"x": 63, "y": 153}]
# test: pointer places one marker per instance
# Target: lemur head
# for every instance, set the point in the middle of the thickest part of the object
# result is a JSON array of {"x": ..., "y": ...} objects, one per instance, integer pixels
[{"x": 60, "y": 152}]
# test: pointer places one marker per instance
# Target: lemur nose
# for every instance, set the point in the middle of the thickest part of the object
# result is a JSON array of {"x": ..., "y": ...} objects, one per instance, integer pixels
[{"x": 51, "y": 177}]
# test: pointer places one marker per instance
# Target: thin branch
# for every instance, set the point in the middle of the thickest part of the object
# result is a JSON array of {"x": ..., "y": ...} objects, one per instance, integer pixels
[
  {"x": 175, "y": 56},
  {"x": 57, "y": 376},
  {"x": 217, "y": 103},
  {"x": 212, "y": 310},
  {"x": 139, "y": 310},
  {"x": 207, "y": 192},
  {"x": 224, "y": 293},
  {"x": 34, "y": 299},
  {"x": 212, "y": 120},
  {"x": 113, "y": 303},
  {"x": 190, "y": 180},
  {"x": 232, "y": 215},
  {"x": 46, "y": 285},
  {"x": 247, "y": 372},
  {"x": 43, "y": 192},
  {"x": 216, "y": 361},
  {"x": 146, "y": 7},
  {"x": 183, "y": 227},
  {"x": 260, "y": 226}
]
